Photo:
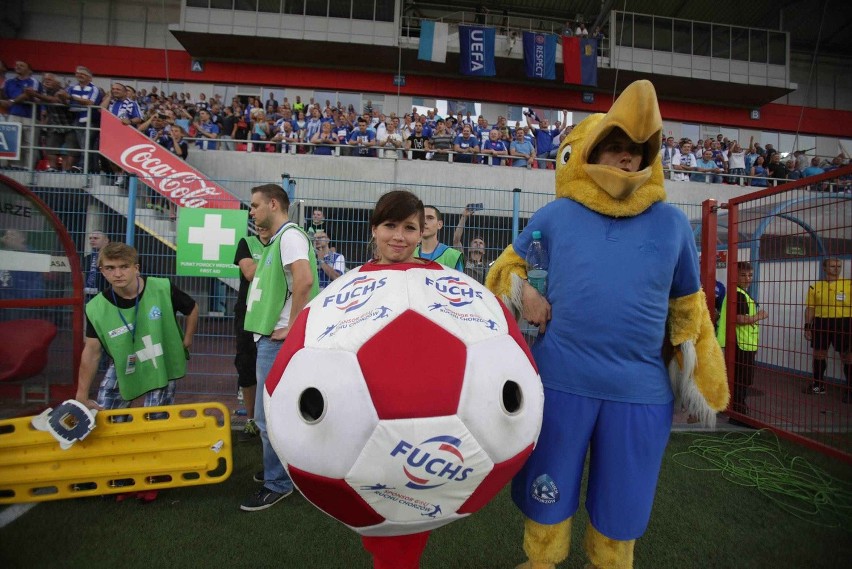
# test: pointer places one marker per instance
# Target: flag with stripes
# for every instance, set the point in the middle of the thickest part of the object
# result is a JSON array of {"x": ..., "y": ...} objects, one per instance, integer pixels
[{"x": 433, "y": 41}]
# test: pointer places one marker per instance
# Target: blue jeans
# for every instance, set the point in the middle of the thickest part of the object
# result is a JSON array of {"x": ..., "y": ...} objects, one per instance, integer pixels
[{"x": 274, "y": 475}]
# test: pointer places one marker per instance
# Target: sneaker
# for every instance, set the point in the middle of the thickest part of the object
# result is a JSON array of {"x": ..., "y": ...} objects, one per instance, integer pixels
[
  {"x": 263, "y": 499},
  {"x": 120, "y": 181},
  {"x": 814, "y": 389},
  {"x": 249, "y": 432},
  {"x": 258, "y": 477}
]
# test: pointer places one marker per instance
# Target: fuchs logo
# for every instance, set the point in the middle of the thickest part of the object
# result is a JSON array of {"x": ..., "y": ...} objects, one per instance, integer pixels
[
  {"x": 433, "y": 462},
  {"x": 544, "y": 490},
  {"x": 456, "y": 291},
  {"x": 355, "y": 294}
]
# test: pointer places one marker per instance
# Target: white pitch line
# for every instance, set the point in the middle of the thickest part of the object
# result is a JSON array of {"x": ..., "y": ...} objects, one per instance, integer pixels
[{"x": 14, "y": 512}]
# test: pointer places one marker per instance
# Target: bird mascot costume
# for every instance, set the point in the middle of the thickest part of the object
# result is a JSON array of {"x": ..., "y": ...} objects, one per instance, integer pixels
[{"x": 623, "y": 297}]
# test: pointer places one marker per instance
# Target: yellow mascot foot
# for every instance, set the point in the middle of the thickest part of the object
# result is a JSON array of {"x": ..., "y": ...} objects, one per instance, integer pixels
[
  {"x": 545, "y": 545},
  {"x": 534, "y": 565},
  {"x": 606, "y": 553}
]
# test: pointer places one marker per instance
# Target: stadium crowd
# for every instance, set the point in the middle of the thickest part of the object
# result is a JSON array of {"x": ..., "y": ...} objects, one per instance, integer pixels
[{"x": 178, "y": 120}]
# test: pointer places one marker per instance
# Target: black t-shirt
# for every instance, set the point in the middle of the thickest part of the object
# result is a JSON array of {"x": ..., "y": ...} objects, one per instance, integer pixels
[
  {"x": 243, "y": 252},
  {"x": 778, "y": 170},
  {"x": 418, "y": 146},
  {"x": 181, "y": 302}
]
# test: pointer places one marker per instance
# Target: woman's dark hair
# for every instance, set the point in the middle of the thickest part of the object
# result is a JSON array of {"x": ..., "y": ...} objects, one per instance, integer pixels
[{"x": 397, "y": 205}]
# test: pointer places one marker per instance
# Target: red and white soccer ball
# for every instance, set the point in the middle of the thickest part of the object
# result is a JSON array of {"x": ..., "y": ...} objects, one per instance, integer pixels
[{"x": 404, "y": 398}]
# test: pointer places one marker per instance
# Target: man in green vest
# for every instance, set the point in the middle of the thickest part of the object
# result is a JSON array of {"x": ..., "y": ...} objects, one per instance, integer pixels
[
  {"x": 284, "y": 282},
  {"x": 747, "y": 333},
  {"x": 433, "y": 250},
  {"x": 249, "y": 251}
]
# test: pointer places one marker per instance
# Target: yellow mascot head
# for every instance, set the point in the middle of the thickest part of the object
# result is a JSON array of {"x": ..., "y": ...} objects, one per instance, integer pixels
[{"x": 609, "y": 189}]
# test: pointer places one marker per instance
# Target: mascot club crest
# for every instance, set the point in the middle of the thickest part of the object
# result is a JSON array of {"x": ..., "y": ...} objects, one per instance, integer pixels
[
  {"x": 354, "y": 294},
  {"x": 433, "y": 462},
  {"x": 455, "y": 291}
]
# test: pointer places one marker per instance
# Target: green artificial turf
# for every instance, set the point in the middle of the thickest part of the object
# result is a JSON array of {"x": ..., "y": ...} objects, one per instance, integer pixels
[{"x": 702, "y": 518}]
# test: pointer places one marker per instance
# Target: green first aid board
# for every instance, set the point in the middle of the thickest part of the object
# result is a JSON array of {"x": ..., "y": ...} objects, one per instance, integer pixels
[{"x": 207, "y": 241}]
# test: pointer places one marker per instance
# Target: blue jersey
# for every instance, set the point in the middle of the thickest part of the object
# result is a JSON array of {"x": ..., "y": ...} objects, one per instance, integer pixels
[{"x": 611, "y": 274}]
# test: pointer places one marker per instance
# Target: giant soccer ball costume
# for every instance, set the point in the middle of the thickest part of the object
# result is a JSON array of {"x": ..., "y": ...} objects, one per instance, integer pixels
[{"x": 404, "y": 398}]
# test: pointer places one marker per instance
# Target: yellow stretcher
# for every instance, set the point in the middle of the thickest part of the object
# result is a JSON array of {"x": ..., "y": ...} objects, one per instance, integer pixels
[{"x": 150, "y": 449}]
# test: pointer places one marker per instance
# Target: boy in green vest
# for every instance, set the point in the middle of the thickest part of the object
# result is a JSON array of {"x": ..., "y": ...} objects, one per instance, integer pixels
[
  {"x": 433, "y": 250},
  {"x": 747, "y": 332},
  {"x": 284, "y": 282},
  {"x": 134, "y": 321}
]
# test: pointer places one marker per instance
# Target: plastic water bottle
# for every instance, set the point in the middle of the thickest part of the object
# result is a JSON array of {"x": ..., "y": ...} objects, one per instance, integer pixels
[{"x": 537, "y": 263}]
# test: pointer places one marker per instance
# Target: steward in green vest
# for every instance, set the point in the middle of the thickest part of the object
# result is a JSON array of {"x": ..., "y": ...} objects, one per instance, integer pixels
[
  {"x": 134, "y": 321},
  {"x": 439, "y": 252},
  {"x": 270, "y": 285},
  {"x": 748, "y": 335}
]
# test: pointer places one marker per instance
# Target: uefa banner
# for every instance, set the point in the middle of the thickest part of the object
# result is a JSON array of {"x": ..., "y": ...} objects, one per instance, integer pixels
[
  {"x": 476, "y": 51},
  {"x": 159, "y": 169},
  {"x": 540, "y": 55}
]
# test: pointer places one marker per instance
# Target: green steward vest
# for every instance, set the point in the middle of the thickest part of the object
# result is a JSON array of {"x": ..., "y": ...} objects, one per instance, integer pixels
[
  {"x": 255, "y": 247},
  {"x": 154, "y": 339},
  {"x": 269, "y": 292},
  {"x": 449, "y": 257},
  {"x": 747, "y": 334}
]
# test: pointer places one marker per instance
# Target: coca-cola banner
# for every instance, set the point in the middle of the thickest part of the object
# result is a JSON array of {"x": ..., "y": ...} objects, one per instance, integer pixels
[{"x": 159, "y": 169}]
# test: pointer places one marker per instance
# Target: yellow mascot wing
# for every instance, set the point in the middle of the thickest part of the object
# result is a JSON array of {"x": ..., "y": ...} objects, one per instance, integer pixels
[
  {"x": 506, "y": 279},
  {"x": 700, "y": 382}
]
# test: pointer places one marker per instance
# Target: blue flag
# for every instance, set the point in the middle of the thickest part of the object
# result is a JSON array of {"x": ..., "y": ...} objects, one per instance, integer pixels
[
  {"x": 476, "y": 51},
  {"x": 540, "y": 55}
]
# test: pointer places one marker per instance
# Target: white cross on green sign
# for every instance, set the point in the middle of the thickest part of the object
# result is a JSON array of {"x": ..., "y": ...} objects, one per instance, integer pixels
[{"x": 207, "y": 241}]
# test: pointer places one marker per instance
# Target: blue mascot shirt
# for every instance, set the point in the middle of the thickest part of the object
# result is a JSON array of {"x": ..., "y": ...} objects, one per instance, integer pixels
[{"x": 609, "y": 274}]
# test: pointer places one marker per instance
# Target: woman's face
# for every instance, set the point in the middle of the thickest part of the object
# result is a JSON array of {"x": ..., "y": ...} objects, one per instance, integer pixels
[{"x": 396, "y": 240}]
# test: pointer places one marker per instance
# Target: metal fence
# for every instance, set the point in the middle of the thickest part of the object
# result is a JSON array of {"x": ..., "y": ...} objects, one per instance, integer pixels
[
  {"x": 85, "y": 203},
  {"x": 786, "y": 233}
]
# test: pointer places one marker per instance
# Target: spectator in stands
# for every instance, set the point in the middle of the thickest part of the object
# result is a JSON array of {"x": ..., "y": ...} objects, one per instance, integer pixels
[
  {"x": 707, "y": 170},
  {"x": 441, "y": 142},
  {"x": 581, "y": 30},
  {"x": 271, "y": 104},
  {"x": 544, "y": 136},
  {"x": 259, "y": 130},
  {"x": 568, "y": 29},
  {"x": 56, "y": 115},
  {"x": 814, "y": 169},
  {"x": 600, "y": 37},
  {"x": 330, "y": 265},
  {"x": 363, "y": 139},
  {"x": 391, "y": 141},
  {"x": 521, "y": 150},
  {"x": 466, "y": 146},
  {"x": 475, "y": 264},
  {"x": 81, "y": 97},
  {"x": 324, "y": 140},
  {"x": 683, "y": 162},
  {"x": 174, "y": 141},
  {"x": 801, "y": 160},
  {"x": 417, "y": 143},
  {"x": 777, "y": 169},
  {"x": 317, "y": 223},
  {"x": 770, "y": 150},
  {"x": 287, "y": 138},
  {"x": 22, "y": 90},
  {"x": 227, "y": 121},
  {"x": 207, "y": 130},
  {"x": 736, "y": 163},
  {"x": 495, "y": 149},
  {"x": 758, "y": 172},
  {"x": 203, "y": 104},
  {"x": 313, "y": 124},
  {"x": 93, "y": 280},
  {"x": 792, "y": 173},
  {"x": 666, "y": 155}
]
